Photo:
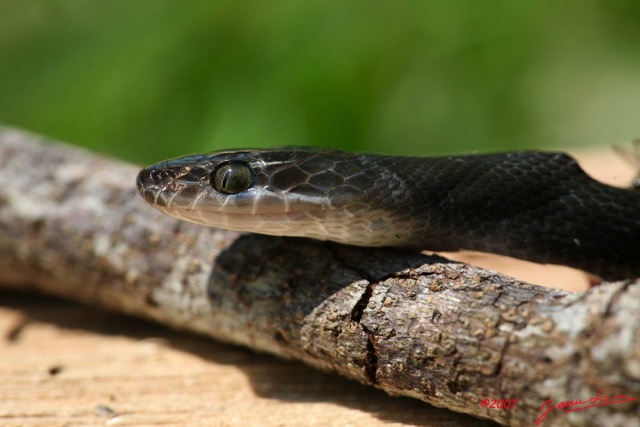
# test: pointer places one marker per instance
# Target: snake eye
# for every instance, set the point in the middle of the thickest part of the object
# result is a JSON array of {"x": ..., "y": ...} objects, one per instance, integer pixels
[{"x": 232, "y": 178}]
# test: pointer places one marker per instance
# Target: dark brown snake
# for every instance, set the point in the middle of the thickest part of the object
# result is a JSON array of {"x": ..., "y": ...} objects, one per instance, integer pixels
[{"x": 537, "y": 206}]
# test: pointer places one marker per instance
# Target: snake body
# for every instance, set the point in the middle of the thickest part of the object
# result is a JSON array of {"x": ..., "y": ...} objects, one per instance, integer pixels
[{"x": 537, "y": 206}]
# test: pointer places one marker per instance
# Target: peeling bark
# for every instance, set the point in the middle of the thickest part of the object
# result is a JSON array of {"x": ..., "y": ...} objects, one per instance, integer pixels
[{"x": 71, "y": 224}]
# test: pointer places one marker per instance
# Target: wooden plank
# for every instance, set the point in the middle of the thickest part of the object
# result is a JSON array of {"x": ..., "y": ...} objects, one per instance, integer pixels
[{"x": 66, "y": 364}]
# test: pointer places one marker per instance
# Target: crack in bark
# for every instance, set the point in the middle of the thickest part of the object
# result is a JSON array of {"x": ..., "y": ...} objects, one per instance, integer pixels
[
  {"x": 370, "y": 362},
  {"x": 615, "y": 297},
  {"x": 371, "y": 355},
  {"x": 503, "y": 352},
  {"x": 371, "y": 358},
  {"x": 361, "y": 305}
]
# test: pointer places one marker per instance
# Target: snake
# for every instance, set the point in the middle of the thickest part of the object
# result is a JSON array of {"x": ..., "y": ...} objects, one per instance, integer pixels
[{"x": 538, "y": 206}]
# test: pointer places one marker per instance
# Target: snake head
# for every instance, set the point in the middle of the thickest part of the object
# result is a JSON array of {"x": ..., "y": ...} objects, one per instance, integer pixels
[{"x": 294, "y": 192}]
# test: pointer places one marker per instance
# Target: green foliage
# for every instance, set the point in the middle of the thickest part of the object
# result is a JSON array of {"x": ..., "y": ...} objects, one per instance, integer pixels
[{"x": 148, "y": 79}]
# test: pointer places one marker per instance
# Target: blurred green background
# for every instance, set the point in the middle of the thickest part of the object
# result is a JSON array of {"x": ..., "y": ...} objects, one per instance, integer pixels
[{"x": 150, "y": 79}]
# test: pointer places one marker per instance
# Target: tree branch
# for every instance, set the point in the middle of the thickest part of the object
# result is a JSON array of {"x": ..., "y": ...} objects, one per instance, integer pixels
[{"x": 72, "y": 224}]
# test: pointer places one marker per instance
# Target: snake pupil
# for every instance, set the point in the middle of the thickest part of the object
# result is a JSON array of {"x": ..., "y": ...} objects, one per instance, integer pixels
[{"x": 232, "y": 178}]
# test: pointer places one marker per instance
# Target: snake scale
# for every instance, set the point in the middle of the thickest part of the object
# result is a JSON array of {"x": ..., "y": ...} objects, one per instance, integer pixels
[{"x": 532, "y": 205}]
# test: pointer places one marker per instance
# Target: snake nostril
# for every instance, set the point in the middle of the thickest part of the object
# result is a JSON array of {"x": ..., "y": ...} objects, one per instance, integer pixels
[
  {"x": 156, "y": 176},
  {"x": 149, "y": 177},
  {"x": 152, "y": 182}
]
